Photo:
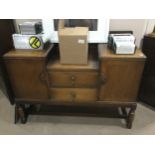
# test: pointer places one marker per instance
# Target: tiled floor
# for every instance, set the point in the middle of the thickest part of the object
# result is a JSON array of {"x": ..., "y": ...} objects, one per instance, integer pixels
[{"x": 144, "y": 123}]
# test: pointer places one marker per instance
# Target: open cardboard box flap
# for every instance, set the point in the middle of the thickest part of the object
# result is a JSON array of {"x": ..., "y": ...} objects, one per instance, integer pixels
[{"x": 71, "y": 30}]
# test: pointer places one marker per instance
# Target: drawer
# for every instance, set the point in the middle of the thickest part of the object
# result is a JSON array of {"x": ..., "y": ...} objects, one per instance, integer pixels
[
  {"x": 73, "y": 79},
  {"x": 73, "y": 94}
]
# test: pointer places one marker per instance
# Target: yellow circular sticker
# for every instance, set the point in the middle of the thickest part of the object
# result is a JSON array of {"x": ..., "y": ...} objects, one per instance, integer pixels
[{"x": 34, "y": 42}]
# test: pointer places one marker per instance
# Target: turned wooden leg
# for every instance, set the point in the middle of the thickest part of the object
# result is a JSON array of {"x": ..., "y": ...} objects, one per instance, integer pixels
[
  {"x": 16, "y": 114},
  {"x": 124, "y": 112},
  {"x": 131, "y": 117},
  {"x": 22, "y": 114}
]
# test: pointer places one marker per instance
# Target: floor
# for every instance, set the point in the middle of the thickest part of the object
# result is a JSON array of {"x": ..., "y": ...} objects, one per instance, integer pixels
[{"x": 144, "y": 123}]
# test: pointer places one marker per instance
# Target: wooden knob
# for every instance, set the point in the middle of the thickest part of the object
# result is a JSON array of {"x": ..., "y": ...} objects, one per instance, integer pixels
[
  {"x": 73, "y": 77},
  {"x": 73, "y": 83},
  {"x": 73, "y": 95}
]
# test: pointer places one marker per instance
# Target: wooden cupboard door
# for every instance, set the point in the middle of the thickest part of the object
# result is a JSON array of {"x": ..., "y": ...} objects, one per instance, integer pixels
[
  {"x": 26, "y": 78},
  {"x": 122, "y": 78}
]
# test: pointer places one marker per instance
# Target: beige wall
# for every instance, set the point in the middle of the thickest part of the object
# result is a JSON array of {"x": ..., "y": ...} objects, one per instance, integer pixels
[
  {"x": 138, "y": 26},
  {"x": 150, "y": 26}
]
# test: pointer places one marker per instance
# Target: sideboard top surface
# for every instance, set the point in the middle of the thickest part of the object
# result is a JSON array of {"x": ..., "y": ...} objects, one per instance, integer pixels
[
  {"x": 105, "y": 52},
  {"x": 29, "y": 53}
]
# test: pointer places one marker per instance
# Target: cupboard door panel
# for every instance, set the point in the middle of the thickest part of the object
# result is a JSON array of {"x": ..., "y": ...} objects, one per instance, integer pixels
[
  {"x": 122, "y": 80},
  {"x": 25, "y": 78}
]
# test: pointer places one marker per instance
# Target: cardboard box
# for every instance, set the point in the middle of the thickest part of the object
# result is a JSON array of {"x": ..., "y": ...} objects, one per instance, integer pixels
[{"x": 73, "y": 44}]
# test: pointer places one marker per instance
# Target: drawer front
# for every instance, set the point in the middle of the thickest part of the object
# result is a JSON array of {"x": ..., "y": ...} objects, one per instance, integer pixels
[
  {"x": 73, "y": 94},
  {"x": 73, "y": 79}
]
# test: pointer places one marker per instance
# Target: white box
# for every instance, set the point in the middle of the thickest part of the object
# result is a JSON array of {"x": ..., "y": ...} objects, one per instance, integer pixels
[
  {"x": 125, "y": 38},
  {"x": 28, "y": 41},
  {"x": 124, "y": 47}
]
